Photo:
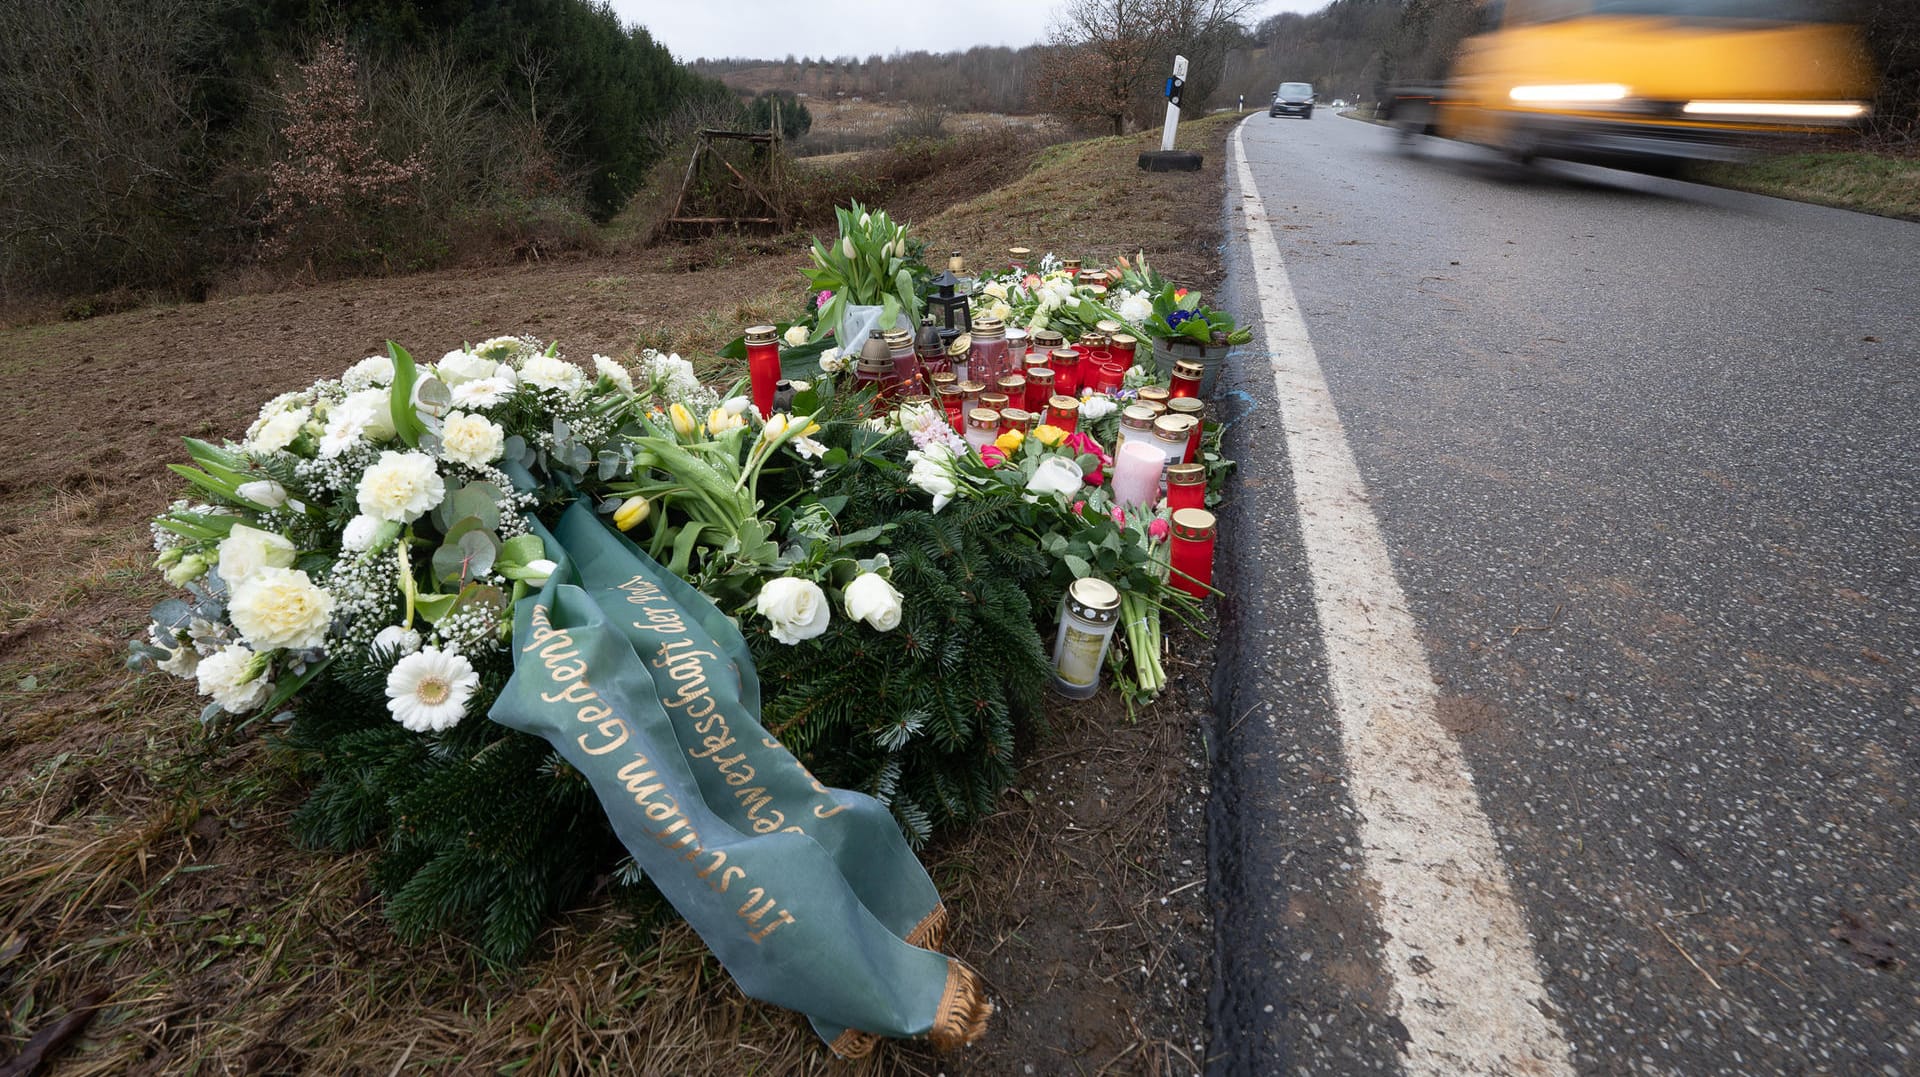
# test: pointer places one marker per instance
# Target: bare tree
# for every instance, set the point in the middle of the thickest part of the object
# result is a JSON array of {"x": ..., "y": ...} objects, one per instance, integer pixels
[{"x": 1106, "y": 59}]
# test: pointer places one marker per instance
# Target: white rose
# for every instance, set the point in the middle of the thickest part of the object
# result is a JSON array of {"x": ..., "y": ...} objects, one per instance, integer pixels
[
  {"x": 234, "y": 679},
  {"x": 396, "y": 640},
  {"x": 373, "y": 370},
  {"x": 265, "y": 492},
  {"x": 1055, "y": 475},
  {"x": 796, "y": 608},
  {"x": 551, "y": 372},
  {"x": 1000, "y": 311},
  {"x": 796, "y": 335},
  {"x": 1097, "y": 407},
  {"x": 247, "y": 550},
  {"x": 872, "y": 599},
  {"x": 401, "y": 487},
  {"x": 995, "y": 289},
  {"x": 280, "y": 607},
  {"x": 614, "y": 372},
  {"x": 830, "y": 361},
  {"x": 276, "y": 432},
  {"x": 457, "y": 366},
  {"x": 932, "y": 474},
  {"x": 471, "y": 439},
  {"x": 1136, "y": 308}
]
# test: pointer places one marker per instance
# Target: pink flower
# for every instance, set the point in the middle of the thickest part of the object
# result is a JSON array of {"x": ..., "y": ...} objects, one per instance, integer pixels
[
  {"x": 992, "y": 456},
  {"x": 1030, "y": 281},
  {"x": 1119, "y": 516},
  {"x": 1079, "y": 508},
  {"x": 1159, "y": 529},
  {"x": 1096, "y": 477},
  {"x": 822, "y": 299},
  {"x": 1081, "y": 441}
]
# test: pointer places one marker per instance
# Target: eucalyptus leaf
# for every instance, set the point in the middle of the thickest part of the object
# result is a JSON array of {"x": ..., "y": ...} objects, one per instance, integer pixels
[{"x": 1078, "y": 566}]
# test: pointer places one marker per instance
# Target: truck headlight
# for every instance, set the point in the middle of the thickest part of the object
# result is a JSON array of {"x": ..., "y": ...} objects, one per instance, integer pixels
[{"x": 1582, "y": 93}]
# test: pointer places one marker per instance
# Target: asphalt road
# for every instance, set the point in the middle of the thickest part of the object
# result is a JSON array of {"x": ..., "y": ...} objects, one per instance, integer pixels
[{"x": 1646, "y": 457}]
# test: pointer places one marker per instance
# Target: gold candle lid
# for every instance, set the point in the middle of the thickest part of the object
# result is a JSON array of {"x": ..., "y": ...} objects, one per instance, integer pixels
[
  {"x": 916, "y": 401},
  {"x": 1051, "y": 338},
  {"x": 1011, "y": 382},
  {"x": 972, "y": 388},
  {"x": 1108, "y": 326},
  {"x": 1155, "y": 392},
  {"x": 1036, "y": 359},
  {"x": 983, "y": 419},
  {"x": 1189, "y": 368},
  {"x": 1065, "y": 356},
  {"x": 1137, "y": 417},
  {"x": 762, "y": 334},
  {"x": 1194, "y": 474},
  {"x": 1192, "y": 523},
  {"x": 1019, "y": 254},
  {"x": 1172, "y": 427},
  {"x": 1186, "y": 405},
  {"x": 1014, "y": 415},
  {"x": 996, "y": 401},
  {"x": 1093, "y": 599},
  {"x": 944, "y": 377},
  {"x": 899, "y": 338},
  {"x": 1158, "y": 407},
  {"x": 988, "y": 327},
  {"x": 1125, "y": 341},
  {"x": 1040, "y": 374},
  {"x": 1063, "y": 402}
]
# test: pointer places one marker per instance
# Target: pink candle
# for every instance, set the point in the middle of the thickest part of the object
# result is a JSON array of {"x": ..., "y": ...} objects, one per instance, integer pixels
[{"x": 1136, "y": 474}]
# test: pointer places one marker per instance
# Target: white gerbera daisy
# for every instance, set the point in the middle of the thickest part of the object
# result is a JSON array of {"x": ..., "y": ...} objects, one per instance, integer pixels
[{"x": 428, "y": 690}]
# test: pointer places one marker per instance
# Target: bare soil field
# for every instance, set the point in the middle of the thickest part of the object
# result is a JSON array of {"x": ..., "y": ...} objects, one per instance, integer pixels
[{"x": 147, "y": 869}]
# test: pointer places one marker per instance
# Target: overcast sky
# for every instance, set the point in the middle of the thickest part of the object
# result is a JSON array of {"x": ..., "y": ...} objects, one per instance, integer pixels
[{"x": 770, "y": 29}]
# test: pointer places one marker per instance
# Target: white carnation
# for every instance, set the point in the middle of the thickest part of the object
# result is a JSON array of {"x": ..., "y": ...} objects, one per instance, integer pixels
[
  {"x": 427, "y": 691},
  {"x": 1136, "y": 307},
  {"x": 471, "y": 439},
  {"x": 484, "y": 392},
  {"x": 247, "y": 550},
  {"x": 796, "y": 608},
  {"x": 276, "y": 432},
  {"x": 368, "y": 372},
  {"x": 614, "y": 372},
  {"x": 552, "y": 372},
  {"x": 234, "y": 679},
  {"x": 280, "y": 607},
  {"x": 401, "y": 487},
  {"x": 360, "y": 533}
]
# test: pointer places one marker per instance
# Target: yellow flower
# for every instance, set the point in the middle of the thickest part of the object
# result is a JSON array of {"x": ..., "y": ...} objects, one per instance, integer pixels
[
  {"x": 683, "y": 423},
  {"x": 776, "y": 426},
  {"x": 1010, "y": 440},
  {"x": 720, "y": 420},
  {"x": 1049, "y": 434},
  {"x": 632, "y": 513}
]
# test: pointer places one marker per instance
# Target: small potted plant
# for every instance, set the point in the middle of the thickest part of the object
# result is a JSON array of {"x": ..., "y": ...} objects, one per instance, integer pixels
[{"x": 868, "y": 276}]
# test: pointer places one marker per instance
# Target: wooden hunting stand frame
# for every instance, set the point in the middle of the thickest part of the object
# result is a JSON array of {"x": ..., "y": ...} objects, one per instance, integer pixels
[{"x": 716, "y": 195}]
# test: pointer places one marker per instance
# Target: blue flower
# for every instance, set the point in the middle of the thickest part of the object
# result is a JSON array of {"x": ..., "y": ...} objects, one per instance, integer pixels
[{"x": 1178, "y": 316}]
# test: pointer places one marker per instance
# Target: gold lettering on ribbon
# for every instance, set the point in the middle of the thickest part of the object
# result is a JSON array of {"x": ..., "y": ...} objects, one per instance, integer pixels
[{"x": 674, "y": 830}]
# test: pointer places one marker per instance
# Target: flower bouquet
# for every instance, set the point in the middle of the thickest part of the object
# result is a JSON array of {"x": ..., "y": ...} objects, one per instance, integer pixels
[{"x": 869, "y": 276}]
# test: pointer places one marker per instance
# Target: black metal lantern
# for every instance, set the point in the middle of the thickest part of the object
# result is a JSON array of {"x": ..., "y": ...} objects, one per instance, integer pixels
[{"x": 949, "y": 305}]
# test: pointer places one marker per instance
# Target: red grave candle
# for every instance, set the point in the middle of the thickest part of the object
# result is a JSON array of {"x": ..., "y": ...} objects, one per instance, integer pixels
[
  {"x": 1066, "y": 370},
  {"x": 763, "y": 365},
  {"x": 1193, "y": 535},
  {"x": 1039, "y": 388},
  {"x": 1064, "y": 412},
  {"x": 1186, "y": 486}
]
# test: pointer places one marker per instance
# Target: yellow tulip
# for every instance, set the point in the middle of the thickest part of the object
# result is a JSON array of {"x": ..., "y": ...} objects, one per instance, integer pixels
[
  {"x": 720, "y": 420},
  {"x": 1049, "y": 434},
  {"x": 776, "y": 426},
  {"x": 632, "y": 512},
  {"x": 683, "y": 423}
]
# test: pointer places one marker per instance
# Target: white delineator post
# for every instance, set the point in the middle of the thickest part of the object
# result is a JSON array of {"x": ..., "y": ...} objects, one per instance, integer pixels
[{"x": 1173, "y": 110}]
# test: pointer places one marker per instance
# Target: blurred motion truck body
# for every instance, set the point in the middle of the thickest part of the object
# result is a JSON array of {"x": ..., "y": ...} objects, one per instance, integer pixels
[{"x": 1644, "y": 83}]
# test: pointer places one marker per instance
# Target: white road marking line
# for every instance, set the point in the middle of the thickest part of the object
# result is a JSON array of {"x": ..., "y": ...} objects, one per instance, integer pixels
[{"x": 1457, "y": 954}]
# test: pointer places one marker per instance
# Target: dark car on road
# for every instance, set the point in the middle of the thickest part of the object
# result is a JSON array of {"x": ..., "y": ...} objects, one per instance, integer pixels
[{"x": 1293, "y": 99}]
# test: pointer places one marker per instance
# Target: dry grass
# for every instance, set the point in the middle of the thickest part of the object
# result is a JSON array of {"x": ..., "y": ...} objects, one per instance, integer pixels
[
  {"x": 1879, "y": 183},
  {"x": 138, "y": 856}
]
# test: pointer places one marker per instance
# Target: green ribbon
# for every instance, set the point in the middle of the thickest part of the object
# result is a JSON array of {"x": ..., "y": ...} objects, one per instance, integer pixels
[{"x": 809, "y": 896}]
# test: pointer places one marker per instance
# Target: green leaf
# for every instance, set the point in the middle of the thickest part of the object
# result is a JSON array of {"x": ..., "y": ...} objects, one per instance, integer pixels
[
  {"x": 434, "y": 607},
  {"x": 220, "y": 488},
  {"x": 683, "y": 548},
  {"x": 285, "y": 689},
  {"x": 406, "y": 421},
  {"x": 522, "y": 550},
  {"x": 1078, "y": 566},
  {"x": 479, "y": 500}
]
